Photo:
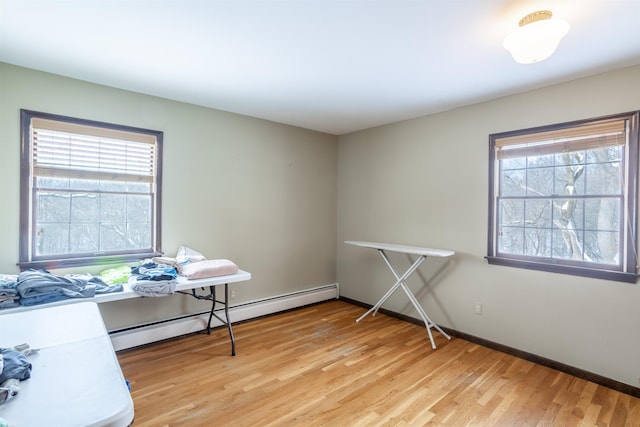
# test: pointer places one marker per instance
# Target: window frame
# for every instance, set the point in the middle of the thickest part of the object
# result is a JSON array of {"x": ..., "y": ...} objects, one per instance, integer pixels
[
  {"x": 628, "y": 272},
  {"x": 27, "y": 258}
]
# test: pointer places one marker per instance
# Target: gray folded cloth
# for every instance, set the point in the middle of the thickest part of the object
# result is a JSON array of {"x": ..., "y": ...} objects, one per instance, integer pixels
[{"x": 152, "y": 288}]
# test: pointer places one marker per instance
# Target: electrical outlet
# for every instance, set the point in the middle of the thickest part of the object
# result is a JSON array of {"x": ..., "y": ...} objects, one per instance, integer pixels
[
  {"x": 233, "y": 293},
  {"x": 477, "y": 308}
]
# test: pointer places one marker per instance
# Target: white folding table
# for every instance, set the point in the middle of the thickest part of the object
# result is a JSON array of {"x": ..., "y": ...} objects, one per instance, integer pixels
[
  {"x": 183, "y": 286},
  {"x": 75, "y": 378},
  {"x": 189, "y": 287},
  {"x": 422, "y": 253}
]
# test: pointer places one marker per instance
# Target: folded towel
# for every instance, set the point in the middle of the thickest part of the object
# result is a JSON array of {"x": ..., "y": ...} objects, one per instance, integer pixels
[{"x": 208, "y": 268}]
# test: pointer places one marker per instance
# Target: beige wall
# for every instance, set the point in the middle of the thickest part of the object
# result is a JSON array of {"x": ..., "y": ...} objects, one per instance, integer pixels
[
  {"x": 259, "y": 193},
  {"x": 424, "y": 182}
]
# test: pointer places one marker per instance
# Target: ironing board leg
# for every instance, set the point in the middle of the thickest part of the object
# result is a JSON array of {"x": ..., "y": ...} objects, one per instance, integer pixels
[{"x": 400, "y": 283}]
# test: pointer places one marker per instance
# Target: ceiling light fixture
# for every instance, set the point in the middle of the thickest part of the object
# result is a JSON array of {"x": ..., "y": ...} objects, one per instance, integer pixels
[{"x": 536, "y": 38}]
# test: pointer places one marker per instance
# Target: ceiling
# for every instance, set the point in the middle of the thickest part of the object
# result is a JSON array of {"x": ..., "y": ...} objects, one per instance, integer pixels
[{"x": 334, "y": 66}]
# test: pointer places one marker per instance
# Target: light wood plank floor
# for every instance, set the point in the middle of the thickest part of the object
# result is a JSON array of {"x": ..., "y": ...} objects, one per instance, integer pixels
[{"x": 316, "y": 367}]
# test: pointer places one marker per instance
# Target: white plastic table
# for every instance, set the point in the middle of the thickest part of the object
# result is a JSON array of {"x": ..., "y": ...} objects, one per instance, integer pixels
[
  {"x": 75, "y": 378},
  {"x": 183, "y": 286},
  {"x": 422, "y": 253}
]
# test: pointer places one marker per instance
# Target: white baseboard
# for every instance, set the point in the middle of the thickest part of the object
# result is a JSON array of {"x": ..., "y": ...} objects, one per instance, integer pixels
[{"x": 146, "y": 334}]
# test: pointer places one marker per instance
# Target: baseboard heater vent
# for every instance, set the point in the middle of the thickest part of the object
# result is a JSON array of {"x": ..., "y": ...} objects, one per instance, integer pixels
[{"x": 170, "y": 328}]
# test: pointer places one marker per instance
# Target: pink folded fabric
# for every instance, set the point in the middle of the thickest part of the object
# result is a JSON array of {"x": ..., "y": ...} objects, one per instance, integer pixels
[{"x": 208, "y": 268}]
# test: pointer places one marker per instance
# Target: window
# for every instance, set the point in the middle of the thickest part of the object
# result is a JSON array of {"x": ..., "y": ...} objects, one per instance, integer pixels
[
  {"x": 89, "y": 192},
  {"x": 563, "y": 198}
]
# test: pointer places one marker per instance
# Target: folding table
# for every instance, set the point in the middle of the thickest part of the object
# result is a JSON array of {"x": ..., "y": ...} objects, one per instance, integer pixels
[
  {"x": 188, "y": 287},
  {"x": 75, "y": 378},
  {"x": 422, "y": 253},
  {"x": 183, "y": 286}
]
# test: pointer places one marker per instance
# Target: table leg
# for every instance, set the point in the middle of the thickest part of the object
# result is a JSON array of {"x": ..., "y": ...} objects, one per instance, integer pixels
[
  {"x": 212, "y": 293},
  {"x": 212, "y": 297},
  {"x": 226, "y": 319},
  {"x": 226, "y": 314}
]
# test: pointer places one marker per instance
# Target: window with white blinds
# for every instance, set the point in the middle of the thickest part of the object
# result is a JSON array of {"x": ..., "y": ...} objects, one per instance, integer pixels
[
  {"x": 564, "y": 198},
  {"x": 90, "y": 191}
]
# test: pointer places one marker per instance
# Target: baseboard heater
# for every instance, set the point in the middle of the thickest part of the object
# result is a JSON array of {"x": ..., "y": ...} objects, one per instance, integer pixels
[{"x": 171, "y": 328}]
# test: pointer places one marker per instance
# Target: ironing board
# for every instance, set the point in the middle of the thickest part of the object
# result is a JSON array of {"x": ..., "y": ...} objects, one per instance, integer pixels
[{"x": 422, "y": 253}]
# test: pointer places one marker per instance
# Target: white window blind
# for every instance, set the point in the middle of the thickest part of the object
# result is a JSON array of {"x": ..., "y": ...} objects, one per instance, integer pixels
[
  {"x": 586, "y": 137},
  {"x": 69, "y": 150}
]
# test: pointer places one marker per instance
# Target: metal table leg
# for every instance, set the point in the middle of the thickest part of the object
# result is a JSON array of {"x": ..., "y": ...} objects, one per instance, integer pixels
[{"x": 227, "y": 321}]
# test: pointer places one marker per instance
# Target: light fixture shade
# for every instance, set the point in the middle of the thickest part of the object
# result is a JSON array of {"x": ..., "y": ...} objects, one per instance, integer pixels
[{"x": 537, "y": 37}]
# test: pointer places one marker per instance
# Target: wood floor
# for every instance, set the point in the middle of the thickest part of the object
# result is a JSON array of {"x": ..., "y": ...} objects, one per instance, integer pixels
[{"x": 317, "y": 367}]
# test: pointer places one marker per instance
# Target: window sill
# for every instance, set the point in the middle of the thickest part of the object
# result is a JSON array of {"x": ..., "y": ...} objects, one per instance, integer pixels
[
  {"x": 53, "y": 264},
  {"x": 618, "y": 276}
]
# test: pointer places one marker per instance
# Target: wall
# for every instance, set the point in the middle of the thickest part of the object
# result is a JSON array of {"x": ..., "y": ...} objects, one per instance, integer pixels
[
  {"x": 259, "y": 193},
  {"x": 424, "y": 182}
]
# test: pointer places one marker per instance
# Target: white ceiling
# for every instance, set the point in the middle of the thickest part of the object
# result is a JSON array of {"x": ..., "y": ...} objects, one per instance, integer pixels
[{"x": 335, "y": 66}]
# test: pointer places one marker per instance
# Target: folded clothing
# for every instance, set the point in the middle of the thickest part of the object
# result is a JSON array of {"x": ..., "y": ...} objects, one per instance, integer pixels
[
  {"x": 152, "y": 279},
  {"x": 40, "y": 287},
  {"x": 165, "y": 260},
  {"x": 208, "y": 268},
  {"x": 152, "y": 288},
  {"x": 115, "y": 275},
  {"x": 9, "y": 291},
  {"x": 149, "y": 270}
]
